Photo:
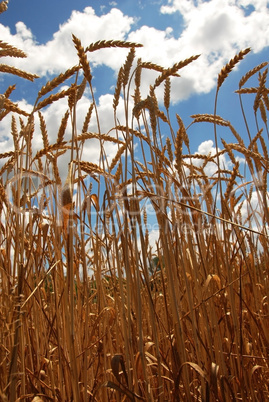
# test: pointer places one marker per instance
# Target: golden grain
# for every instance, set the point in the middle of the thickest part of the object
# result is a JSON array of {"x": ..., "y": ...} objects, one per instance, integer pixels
[
  {"x": 12, "y": 107},
  {"x": 250, "y": 73},
  {"x": 54, "y": 97},
  {"x": 170, "y": 71},
  {"x": 229, "y": 66},
  {"x": 82, "y": 58},
  {"x": 15, "y": 71},
  {"x": 3, "y": 6},
  {"x": 101, "y": 44},
  {"x": 127, "y": 66},
  {"x": 261, "y": 88},
  {"x": 53, "y": 147},
  {"x": 62, "y": 127},
  {"x": 8, "y": 50},
  {"x": 167, "y": 91},
  {"x": 118, "y": 89},
  {"x": 140, "y": 256},
  {"x": 155, "y": 67},
  {"x": 43, "y": 130},
  {"x": 55, "y": 82}
]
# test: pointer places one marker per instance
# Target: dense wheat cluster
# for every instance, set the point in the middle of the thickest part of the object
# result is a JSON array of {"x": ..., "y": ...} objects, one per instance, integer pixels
[{"x": 90, "y": 308}]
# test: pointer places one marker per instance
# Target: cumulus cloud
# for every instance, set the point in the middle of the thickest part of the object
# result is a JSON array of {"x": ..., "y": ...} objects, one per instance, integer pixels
[
  {"x": 215, "y": 29},
  {"x": 59, "y": 54}
]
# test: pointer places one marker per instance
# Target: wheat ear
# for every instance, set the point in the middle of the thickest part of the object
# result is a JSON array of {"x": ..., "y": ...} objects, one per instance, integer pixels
[
  {"x": 250, "y": 73},
  {"x": 101, "y": 44},
  {"x": 3, "y": 6},
  {"x": 229, "y": 66},
  {"x": 15, "y": 71},
  {"x": 170, "y": 71},
  {"x": 82, "y": 58},
  {"x": 55, "y": 82}
]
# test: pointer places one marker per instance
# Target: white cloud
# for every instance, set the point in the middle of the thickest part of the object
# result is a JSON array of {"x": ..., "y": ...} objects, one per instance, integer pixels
[
  {"x": 215, "y": 29},
  {"x": 59, "y": 54}
]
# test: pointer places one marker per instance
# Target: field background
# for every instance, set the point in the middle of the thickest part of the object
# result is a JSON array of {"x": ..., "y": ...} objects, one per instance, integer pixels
[{"x": 91, "y": 308}]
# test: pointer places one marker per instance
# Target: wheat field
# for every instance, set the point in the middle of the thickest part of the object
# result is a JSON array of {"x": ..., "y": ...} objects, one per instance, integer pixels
[{"x": 91, "y": 308}]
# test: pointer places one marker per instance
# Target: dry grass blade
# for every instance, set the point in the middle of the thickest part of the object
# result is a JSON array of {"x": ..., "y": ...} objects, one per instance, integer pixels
[
  {"x": 250, "y": 73},
  {"x": 82, "y": 58},
  {"x": 170, "y": 71},
  {"x": 229, "y": 66},
  {"x": 101, "y": 44},
  {"x": 15, "y": 71},
  {"x": 55, "y": 82}
]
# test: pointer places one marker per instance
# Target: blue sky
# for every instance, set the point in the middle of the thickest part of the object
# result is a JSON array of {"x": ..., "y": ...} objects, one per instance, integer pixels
[{"x": 170, "y": 31}]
